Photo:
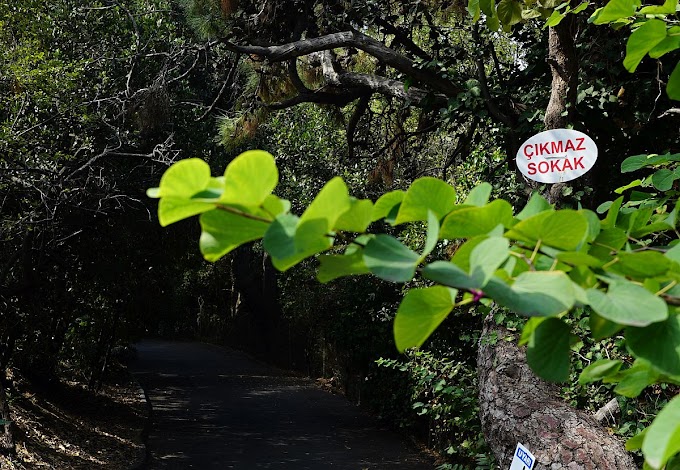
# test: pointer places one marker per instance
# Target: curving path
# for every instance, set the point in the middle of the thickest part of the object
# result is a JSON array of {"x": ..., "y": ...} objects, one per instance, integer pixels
[{"x": 216, "y": 408}]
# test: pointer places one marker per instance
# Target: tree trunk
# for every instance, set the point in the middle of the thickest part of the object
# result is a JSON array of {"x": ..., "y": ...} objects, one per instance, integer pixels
[
  {"x": 516, "y": 406},
  {"x": 564, "y": 67}
]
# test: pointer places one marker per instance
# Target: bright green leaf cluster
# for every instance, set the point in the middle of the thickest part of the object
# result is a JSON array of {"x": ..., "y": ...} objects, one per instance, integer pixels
[
  {"x": 511, "y": 12},
  {"x": 665, "y": 166},
  {"x": 654, "y": 33},
  {"x": 540, "y": 262}
]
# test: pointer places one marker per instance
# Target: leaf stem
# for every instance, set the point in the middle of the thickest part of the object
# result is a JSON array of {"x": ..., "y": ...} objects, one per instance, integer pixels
[
  {"x": 611, "y": 248},
  {"x": 235, "y": 211},
  {"x": 639, "y": 242},
  {"x": 523, "y": 257},
  {"x": 611, "y": 263},
  {"x": 667, "y": 288},
  {"x": 533, "y": 255},
  {"x": 650, "y": 248},
  {"x": 464, "y": 302}
]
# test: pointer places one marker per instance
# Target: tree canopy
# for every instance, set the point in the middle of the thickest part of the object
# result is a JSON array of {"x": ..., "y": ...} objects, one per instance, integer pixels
[
  {"x": 536, "y": 262},
  {"x": 388, "y": 132}
]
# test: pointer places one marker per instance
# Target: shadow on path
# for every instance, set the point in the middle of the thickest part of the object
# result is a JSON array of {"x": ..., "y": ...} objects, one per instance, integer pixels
[{"x": 215, "y": 408}]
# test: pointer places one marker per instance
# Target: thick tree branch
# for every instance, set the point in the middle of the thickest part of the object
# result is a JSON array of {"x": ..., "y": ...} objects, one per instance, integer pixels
[
  {"x": 329, "y": 67},
  {"x": 393, "y": 88},
  {"x": 354, "y": 39},
  {"x": 344, "y": 87},
  {"x": 295, "y": 77},
  {"x": 376, "y": 84},
  {"x": 326, "y": 95}
]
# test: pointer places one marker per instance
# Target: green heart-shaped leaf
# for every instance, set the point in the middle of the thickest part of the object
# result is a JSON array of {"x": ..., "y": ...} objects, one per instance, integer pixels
[
  {"x": 564, "y": 229},
  {"x": 473, "y": 221},
  {"x": 420, "y": 313},
  {"x": 389, "y": 259},
  {"x": 599, "y": 370},
  {"x": 423, "y": 195},
  {"x": 224, "y": 231},
  {"x": 658, "y": 343},
  {"x": 249, "y": 179},
  {"x": 662, "y": 438},
  {"x": 548, "y": 350},
  {"x": 628, "y": 304},
  {"x": 386, "y": 203},
  {"x": 534, "y": 293}
]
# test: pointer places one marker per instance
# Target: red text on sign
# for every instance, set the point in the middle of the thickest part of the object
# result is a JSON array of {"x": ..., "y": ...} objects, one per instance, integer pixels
[
  {"x": 557, "y": 165},
  {"x": 551, "y": 148}
]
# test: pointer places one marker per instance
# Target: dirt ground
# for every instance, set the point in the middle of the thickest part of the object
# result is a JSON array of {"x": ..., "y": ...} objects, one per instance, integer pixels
[{"x": 64, "y": 426}]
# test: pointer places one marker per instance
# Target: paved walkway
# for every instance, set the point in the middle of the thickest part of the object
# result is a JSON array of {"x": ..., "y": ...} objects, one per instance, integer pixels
[{"x": 216, "y": 408}]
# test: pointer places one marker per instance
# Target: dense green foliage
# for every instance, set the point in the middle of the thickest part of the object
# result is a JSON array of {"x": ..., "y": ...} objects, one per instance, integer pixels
[
  {"x": 443, "y": 391},
  {"x": 655, "y": 32},
  {"x": 96, "y": 100},
  {"x": 574, "y": 234},
  {"x": 90, "y": 114},
  {"x": 540, "y": 262}
]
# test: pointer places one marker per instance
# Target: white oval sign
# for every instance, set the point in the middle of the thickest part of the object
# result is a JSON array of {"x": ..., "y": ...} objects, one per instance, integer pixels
[{"x": 556, "y": 156}]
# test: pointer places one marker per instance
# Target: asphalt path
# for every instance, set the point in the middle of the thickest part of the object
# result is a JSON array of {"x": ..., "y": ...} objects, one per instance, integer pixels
[{"x": 216, "y": 408}]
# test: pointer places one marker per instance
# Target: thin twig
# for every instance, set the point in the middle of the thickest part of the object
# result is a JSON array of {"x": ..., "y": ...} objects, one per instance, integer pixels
[{"x": 229, "y": 80}]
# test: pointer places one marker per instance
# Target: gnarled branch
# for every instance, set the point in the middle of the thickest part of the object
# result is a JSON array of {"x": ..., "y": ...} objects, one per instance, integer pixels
[
  {"x": 335, "y": 97},
  {"x": 279, "y": 53},
  {"x": 376, "y": 84}
]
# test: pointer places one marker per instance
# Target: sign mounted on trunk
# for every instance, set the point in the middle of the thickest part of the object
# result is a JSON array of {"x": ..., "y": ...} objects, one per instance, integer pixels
[
  {"x": 556, "y": 156},
  {"x": 522, "y": 459}
]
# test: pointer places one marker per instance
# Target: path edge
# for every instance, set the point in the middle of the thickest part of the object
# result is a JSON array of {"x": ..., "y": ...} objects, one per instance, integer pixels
[{"x": 144, "y": 458}]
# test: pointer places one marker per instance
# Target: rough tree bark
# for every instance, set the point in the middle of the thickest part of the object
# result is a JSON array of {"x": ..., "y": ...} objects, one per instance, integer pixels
[
  {"x": 515, "y": 405},
  {"x": 564, "y": 68}
]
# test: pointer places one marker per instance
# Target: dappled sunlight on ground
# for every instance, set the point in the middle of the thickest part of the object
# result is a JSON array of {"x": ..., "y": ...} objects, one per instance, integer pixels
[
  {"x": 64, "y": 426},
  {"x": 228, "y": 411}
]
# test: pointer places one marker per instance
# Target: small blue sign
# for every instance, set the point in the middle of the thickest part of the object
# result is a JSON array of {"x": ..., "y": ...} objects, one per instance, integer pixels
[{"x": 524, "y": 457}]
